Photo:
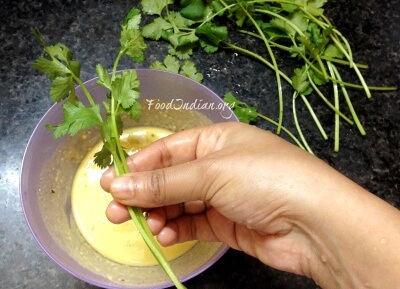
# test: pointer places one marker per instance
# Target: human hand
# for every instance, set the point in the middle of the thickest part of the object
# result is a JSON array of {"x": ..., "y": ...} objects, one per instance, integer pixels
[
  {"x": 247, "y": 188},
  {"x": 240, "y": 185}
]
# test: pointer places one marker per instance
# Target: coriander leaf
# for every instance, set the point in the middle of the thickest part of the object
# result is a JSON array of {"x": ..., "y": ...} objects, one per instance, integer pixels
[
  {"x": 179, "y": 20},
  {"x": 38, "y": 36},
  {"x": 310, "y": 47},
  {"x": 333, "y": 52},
  {"x": 272, "y": 32},
  {"x": 135, "y": 111},
  {"x": 155, "y": 29},
  {"x": 188, "y": 69},
  {"x": 157, "y": 65},
  {"x": 131, "y": 39},
  {"x": 60, "y": 51},
  {"x": 301, "y": 2},
  {"x": 61, "y": 88},
  {"x": 217, "y": 7},
  {"x": 212, "y": 33},
  {"x": 181, "y": 52},
  {"x": 209, "y": 48},
  {"x": 52, "y": 68},
  {"x": 170, "y": 63},
  {"x": 75, "y": 67},
  {"x": 296, "y": 19},
  {"x": 315, "y": 33},
  {"x": 192, "y": 9},
  {"x": 208, "y": 14},
  {"x": 317, "y": 78},
  {"x": 103, "y": 157},
  {"x": 133, "y": 44},
  {"x": 63, "y": 54},
  {"x": 183, "y": 39},
  {"x": 282, "y": 25},
  {"x": 77, "y": 117},
  {"x": 104, "y": 78},
  {"x": 230, "y": 99},
  {"x": 110, "y": 135},
  {"x": 241, "y": 17},
  {"x": 132, "y": 19},
  {"x": 315, "y": 11},
  {"x": 152, "y": 7},
  {"x": 317, "y": 3},
  {"x": 244, "y": 112},
  {"x": 299, "y": 20},
  {"x": 315, "y": 7},
  {"x": 289, "y": 7},
  {"x": 125, "y": 88},
  {"x": 300, "y": 81}
]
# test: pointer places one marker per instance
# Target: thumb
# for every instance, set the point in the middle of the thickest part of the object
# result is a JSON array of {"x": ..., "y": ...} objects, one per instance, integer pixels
[{"x": 165, "y": 186}]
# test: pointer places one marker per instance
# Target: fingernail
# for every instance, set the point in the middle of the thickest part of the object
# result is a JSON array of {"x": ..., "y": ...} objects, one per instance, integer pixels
[{"x": 122, "y": 188}]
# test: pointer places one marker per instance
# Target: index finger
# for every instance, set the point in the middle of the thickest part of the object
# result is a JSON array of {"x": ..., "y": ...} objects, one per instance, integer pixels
[{"x": 174, "y": 149}]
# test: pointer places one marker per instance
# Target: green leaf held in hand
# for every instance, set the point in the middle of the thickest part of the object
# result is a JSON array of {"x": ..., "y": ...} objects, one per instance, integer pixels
[{"x": 122, "y": 98}]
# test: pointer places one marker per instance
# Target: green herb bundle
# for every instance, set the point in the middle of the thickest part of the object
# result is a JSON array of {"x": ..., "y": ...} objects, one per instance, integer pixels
[
  {"x": 298, "y": 27},
  {"x": 122, "y": 98}
]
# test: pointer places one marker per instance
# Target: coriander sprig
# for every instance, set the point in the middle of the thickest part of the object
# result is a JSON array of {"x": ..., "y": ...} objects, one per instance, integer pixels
[
  {"x": 122, "y": 98},
  {"x": 297, "y": 27}
]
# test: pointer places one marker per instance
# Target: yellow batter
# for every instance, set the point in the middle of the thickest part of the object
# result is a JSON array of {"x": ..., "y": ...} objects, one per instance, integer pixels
[{"x": 120, "y": 243}]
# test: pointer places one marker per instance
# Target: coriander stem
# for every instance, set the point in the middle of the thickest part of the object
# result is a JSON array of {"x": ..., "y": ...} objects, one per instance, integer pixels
[
  {"x": 347, "y": 52},
  {"x": 135, "y": 213},
  {"x": 256, "y": 56},
  {"x": 344, "y": 62},
  {"x": 336, "y": 101},
  {"x": 276, "y": 68},
  {"x": 364, "y": 84},
  {"x": 289, "y": 49},
  {"x": 348, "y": 84},
  {"x": 84, "y": 89},
  {"x": 349, "y": 103},
  {"x": 114, "y": 109},
  {"x": 117, "y": 59},
  {"x": 325, "y": 25},
  {"x": 137, "y": 217},
  {"x": 308, "y": 62},
  {"x": 140, "y": 222},
  {"x": 330, "y": 105},
  {"x": 352, "y": 64},
  {"x": 314, "y": 116},
  {"x": 296, "y": 122},
  {"x": 283, "y": 128}
]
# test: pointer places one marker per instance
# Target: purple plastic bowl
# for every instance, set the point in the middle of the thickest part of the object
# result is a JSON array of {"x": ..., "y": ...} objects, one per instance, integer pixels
[{"x": 47, "y": 207}]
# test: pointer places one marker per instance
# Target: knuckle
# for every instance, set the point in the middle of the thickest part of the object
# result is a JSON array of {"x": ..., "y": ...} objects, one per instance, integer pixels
[
  {"x": 156, "y": 187},
  {"x": 165, "y": 154}
]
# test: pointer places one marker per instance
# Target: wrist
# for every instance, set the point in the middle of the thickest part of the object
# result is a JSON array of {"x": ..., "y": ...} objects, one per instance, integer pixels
[{"x": 354, "y": 236}]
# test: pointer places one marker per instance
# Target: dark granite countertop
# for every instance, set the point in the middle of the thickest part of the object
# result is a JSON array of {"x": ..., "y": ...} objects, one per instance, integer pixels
[{"x": 91, "y": 29}]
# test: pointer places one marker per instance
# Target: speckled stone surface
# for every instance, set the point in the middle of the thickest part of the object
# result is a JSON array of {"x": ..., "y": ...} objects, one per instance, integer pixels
[{"x": 91, "y": 29}]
